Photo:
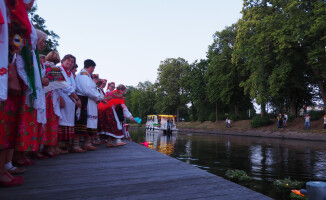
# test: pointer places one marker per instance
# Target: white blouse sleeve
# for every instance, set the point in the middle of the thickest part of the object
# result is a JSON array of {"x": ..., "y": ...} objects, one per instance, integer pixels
[
  {"x": 86, "y": 86},
  {"x": 67, "y": 90},
  {"x": 126, "y": 111}
]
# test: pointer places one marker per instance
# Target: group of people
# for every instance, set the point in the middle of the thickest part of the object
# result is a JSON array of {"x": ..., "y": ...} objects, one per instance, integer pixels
[
  {"x": 46, "y": 107},
  {"x": 282, "y": 120}
]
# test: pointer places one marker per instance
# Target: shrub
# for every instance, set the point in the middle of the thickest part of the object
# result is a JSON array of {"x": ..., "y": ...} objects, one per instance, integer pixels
[
  {"x": 316, "y": 115},
  {"x": 212, "y": 117},
  {"x": 259, "y": 121},
  {"x": 202, "y": 118},
  {"x": 291, "y": 118}
]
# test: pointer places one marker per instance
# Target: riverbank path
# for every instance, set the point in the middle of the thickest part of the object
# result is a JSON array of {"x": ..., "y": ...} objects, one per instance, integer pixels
[{"x": 129, "y": 172}]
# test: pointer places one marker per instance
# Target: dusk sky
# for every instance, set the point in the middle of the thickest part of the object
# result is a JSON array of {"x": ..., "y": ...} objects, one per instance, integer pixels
[{"x": 128, "y": 39}]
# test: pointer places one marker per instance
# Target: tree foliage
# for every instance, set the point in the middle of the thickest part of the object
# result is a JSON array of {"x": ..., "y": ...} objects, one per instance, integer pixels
[
  {"x": 274, "y": 55},
  {"x": 51, "y": 43}
]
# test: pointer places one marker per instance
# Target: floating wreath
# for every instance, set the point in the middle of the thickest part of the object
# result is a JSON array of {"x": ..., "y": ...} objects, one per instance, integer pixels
[
  {"x": 239, "y": 175},
  {"x": 287, "y": 183}
]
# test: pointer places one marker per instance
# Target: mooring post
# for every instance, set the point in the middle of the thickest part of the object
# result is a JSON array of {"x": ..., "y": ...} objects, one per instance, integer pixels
[{"x": 316, "y": 190}]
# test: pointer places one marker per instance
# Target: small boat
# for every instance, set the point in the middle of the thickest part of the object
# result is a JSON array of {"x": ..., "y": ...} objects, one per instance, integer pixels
[{"x": 161, "y": 123}]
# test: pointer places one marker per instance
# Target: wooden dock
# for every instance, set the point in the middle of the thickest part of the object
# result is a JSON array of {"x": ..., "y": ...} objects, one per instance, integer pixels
[{"x": 129, "y": 172}]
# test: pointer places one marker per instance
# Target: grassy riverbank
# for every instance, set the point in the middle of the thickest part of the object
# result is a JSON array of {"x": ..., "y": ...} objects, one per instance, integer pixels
[
  {"x": 297, "y": 125},
  {"x": 294, "y": 130}
]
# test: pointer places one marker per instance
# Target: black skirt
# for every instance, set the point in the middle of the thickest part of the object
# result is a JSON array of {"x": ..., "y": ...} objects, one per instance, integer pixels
[{"x": 81, "y": 123}]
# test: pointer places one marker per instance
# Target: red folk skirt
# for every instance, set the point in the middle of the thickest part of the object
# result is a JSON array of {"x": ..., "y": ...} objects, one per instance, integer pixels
[
  {"x": 66, "y": 133},
  {"x": 107, "y": 124},
  {"x": 28, "y": 134},
  {"x": 9, "y": 112},
  {"x": 50, "y": 135}
]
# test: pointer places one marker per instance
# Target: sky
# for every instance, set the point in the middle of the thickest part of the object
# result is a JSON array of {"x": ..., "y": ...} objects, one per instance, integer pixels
[{"x": 128, "y": 39}]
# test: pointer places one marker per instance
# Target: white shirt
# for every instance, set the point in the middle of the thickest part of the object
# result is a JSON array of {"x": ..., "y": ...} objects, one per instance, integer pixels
[
  {"x": 68, "y": 112},
  {"x": 86, "y": 86},
  {"x": 4, "y": 53}
]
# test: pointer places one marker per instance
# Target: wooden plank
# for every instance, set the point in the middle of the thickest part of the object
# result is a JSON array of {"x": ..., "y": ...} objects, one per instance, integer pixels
[{"x": 129, "y": 172}]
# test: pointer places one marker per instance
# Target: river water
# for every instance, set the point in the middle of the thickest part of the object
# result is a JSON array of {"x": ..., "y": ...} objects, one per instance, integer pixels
[{"x": 264, "y": 159}]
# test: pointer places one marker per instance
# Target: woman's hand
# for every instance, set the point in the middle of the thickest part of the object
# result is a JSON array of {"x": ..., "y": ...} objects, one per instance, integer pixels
[
  {"x": 79, "y": 103},
  {"x": 45, "y": 82},
  {"x": 62, "y": 102}
]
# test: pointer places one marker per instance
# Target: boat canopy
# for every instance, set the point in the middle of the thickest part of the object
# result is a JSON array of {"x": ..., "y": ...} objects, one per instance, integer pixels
[{"x": 167, "y": 116}]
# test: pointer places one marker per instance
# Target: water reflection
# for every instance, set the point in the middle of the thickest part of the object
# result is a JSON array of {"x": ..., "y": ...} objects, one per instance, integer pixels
[
  {"x": 264, "y": 159},
  {"x": 163, "y": 143}
]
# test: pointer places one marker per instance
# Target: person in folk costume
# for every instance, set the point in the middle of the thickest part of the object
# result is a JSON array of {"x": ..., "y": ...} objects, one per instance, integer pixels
[
  {"x": 68, "y": 101},
  {"x": 110, "y": 88},
  {"x": 87, "y": 92},
  {"x": 102, "y": 137},
  {"x": 74, "y": 70},
  {"x": 7, "y": 134},
  {"x": 102, "y": 86},
  {"x": 33, "y": 113},
  {"x": 41, "y": 37},
  {"x": 98, "y": 82},
  {"x": 42, "y": 58},
  {"x": 15, "y": 27},
  {"x": 50, "y": 131},
  {"x": 111, "y": 116},
  {"x": 99, "y": 86}
]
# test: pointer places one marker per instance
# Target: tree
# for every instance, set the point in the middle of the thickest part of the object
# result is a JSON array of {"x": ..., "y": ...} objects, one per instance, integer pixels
[
  {"x": 169, "y": 88},
  {"x": 51, "y": 43},
  {"x": 195, "y": 84},
  {"x": 271, "y": 42},
  {"x": 313, "y": 31},
  {"x": 253, "y": 50},
  {"x": 141, "y": 99},
  {"x": 223, "y": 77}
]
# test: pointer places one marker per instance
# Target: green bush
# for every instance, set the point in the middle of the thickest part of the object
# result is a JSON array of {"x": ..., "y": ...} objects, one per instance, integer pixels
[
  {"x": 291, "y": 118},
  {"x": 259, "y": 121},
  {"x": 202, "y": 118},
  {"x": 316, "y": 115},
  {"x": 212, "y": 117}
]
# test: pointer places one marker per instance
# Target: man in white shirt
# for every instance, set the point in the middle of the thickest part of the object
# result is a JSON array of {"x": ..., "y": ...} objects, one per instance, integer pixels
[{"x": 86, "y": 91}]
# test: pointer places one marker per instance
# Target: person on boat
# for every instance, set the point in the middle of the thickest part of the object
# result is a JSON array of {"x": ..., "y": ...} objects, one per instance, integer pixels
[
  {"x": 111, "y": 116},
  {"x": 86, "y": 122},
  {"x": 324, "y": 121}
]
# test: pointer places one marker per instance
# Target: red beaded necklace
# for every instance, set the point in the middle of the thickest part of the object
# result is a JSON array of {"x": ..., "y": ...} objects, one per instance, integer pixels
[{"x": 67, "y": 72}]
